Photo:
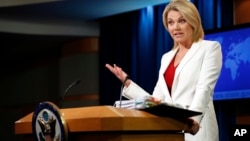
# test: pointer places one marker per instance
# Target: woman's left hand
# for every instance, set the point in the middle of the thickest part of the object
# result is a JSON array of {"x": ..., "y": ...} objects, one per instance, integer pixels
[{"x": 194, "y": 126}]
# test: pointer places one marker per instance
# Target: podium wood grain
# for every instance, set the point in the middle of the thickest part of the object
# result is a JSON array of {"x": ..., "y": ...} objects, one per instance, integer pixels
[{"x": 107, "y": 123}]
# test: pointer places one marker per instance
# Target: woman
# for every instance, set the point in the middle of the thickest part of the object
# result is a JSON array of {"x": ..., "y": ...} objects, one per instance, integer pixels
[{"x": 188, "y": 72}]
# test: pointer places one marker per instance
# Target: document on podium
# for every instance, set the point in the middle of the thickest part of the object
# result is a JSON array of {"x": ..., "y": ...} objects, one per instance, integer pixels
[
  {"x": 166, "y": 110},
  {"x": 162, "y": 109}
]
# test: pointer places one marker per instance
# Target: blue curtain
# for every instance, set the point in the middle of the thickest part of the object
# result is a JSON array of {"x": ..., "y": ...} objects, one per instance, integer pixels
[
  {"x": 136, "y": 41},
  {"x": 149, "y": 41},
  {"x": 115, "y": 48},
  {"x": 215, "y": 13}
]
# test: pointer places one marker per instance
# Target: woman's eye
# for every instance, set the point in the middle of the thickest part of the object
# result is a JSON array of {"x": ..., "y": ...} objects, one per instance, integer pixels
[
  {"x": 170, "y": 22},
  {"x": 182, "y": 21}
]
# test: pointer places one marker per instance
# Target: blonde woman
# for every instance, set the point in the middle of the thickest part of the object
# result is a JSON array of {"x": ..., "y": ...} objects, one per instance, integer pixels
[{"x": 188, "y": 73}]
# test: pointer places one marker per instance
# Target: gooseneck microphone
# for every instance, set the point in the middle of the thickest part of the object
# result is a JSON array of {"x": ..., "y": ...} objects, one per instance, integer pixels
[
  {"x": 120, "y": 104},
  {"x": 65, "y": 92}
]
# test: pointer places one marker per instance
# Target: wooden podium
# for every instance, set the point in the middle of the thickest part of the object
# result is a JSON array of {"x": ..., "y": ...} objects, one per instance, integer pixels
[{"x": 107, "y": 123}]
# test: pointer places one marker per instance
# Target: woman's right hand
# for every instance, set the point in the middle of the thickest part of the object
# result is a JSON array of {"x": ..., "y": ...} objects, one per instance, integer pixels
[{"x": 119, "y": 73}]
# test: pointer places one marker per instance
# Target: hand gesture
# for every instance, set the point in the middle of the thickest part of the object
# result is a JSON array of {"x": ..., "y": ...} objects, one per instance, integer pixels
[{"x": 118, "y": 72}]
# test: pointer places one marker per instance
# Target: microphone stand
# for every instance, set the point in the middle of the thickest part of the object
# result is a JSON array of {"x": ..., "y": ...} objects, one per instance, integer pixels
[{"x": 65, "y": 92}]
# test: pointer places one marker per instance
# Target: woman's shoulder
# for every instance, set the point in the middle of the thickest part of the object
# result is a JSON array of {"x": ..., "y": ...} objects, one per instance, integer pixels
[
  {"x": 210, "y": 42},
  {"x": 170, "y": 52},
  {"x": 210, "y": 45}
]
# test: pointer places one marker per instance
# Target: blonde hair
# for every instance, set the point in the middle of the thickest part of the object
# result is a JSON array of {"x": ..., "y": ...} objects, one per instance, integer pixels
[{"x": 190, "y": 14}]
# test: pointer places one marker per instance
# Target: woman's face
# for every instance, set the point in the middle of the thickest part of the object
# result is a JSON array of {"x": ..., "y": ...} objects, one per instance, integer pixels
[{"x": 180, "y": 30}]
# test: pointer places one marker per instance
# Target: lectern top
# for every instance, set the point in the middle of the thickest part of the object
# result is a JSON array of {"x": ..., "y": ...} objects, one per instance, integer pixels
[{"x": 106, "y": 118}]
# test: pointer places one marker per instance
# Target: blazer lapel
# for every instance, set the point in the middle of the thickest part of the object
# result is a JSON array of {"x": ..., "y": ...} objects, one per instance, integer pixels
[
  {"x": 164, "y": 66},
  {"x": 184, "y": 61},
  {"x": 168, "y": 60}
]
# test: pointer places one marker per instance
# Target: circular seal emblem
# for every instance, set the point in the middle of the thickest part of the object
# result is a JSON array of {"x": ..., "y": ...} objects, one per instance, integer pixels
[{"x": 48, "y": 124}]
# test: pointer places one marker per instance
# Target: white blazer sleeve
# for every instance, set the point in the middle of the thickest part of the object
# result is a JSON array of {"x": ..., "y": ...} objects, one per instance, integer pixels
[
  {"x": 210, "y": 71},
  {"x": 133, "y": 91}
]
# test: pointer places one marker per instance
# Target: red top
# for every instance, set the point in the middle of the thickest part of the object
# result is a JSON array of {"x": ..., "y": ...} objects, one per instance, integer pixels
[{"x": 169, "y": 75}]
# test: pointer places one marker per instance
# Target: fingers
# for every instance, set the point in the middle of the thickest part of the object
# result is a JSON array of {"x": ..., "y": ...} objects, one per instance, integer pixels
[
  {"x": 112, "y": 67},
  {"x": 194, "y": 126},
  {"x": 117, "y": 71},
  {"x": 194, "y": 130},
  {"x": 109, "y": 67}
]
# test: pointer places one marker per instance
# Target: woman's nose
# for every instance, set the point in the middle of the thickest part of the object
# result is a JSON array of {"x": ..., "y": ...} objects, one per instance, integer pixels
[{"x": 176, "y": 26}]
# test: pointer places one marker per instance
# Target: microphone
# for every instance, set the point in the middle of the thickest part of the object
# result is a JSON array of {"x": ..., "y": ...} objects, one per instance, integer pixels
[
  {"x": 65, "y": 92},
  {"x": 120, "y": 104}
]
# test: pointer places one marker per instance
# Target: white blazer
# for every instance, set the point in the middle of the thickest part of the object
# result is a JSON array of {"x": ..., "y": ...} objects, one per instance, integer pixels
[{"x": 193, "y": 85}]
